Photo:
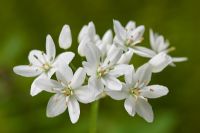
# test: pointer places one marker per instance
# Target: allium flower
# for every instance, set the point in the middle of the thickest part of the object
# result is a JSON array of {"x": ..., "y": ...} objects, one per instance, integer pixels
[
  {"x": 128, "y": 37},
  {"x": 68, "y": 91},
  {"x": 136, "y": 91},
  {"x": 43, "y": 64},
  {"x": 158, "y": 45},
  {"x": 104, "y": 71}
]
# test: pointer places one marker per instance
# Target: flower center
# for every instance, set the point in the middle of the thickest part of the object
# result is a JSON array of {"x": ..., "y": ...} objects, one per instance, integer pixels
[
  {"x": 67, "y": 91},
  {"x": 46, "y": 67},
  {"x": 101, "y": 72},
  {"x": 135, "y": 91}
]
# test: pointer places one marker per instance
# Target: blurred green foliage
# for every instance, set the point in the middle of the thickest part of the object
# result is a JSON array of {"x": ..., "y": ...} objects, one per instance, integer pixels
[{"x": 24, "y": 25}]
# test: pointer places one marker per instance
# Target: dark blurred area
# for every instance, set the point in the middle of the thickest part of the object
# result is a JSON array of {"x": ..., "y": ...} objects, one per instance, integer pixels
[{"x": 24, "y": 25}]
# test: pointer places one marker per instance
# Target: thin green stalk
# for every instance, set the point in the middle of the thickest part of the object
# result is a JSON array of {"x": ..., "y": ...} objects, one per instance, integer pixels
[{"x": 93, "y": 117}]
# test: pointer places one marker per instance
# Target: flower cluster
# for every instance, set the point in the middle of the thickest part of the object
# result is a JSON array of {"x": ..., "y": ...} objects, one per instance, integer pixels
[{"x": 106, "y": 71}]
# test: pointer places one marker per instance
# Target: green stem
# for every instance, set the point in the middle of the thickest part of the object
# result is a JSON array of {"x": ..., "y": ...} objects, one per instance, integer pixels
[{"x": 94, "y": 115}]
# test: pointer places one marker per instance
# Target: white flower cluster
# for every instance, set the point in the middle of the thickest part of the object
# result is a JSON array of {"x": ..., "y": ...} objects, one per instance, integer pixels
[{"x": 107, "y": 59}]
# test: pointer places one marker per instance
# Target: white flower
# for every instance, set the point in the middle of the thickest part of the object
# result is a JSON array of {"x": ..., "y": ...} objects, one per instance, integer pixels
[
  {"x": 136, "y": 91},
  {"x": 68, "y": 91},
  {"x": 128, "y": 37},
  {"x": 87, "y": 34},
  {"x": 158, "y": 45},
  {"x": 104, "y": 71},
  {"x": 65, "y": 38},
  {"x": 159, "y": 62},
  {"x": 43, "y": 64}
]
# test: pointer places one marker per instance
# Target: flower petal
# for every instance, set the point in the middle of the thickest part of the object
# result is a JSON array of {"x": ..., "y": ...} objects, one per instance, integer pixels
[
  {"x": 119, "y": 30},
  {"x": 65, "y": 38},
  {"x": 130, "y": 76},
  {"x": 85, "y": 94},
  {"x": 50, "y": 48},
  {"x": 179, "y": 59},
  {"x": 82, "y": 33},
  {"x": 74, "y": 109},
  {"x": 144, "y": 109},
  {"x": 34, "y": 88},
  {"x": 121, "y": 69},
  {"x": 64, "y": 59},
  {"x": 48, "y": 85},
  {"x": 130, "y": 25},
  {"x": 129, "y": 105},
  {"x": 144, "y": 52},
  {"x": 117, "y": 95},
  {"x": 143, "y": 74},
  {"x": 96, "y": 86},
  {"x": 27, "y": 71},
  {"x": 159, "y": 62},
  {"x": 37, "y": 58},
  {"x": 112, "y": 83},
  {"x": 57, "y": 105},
  {"x": 78, "y": 78},
  {"x": 126, "y": 57},
  {"x": 64, "y": 74},
  {"x": 108, "y": 37},
  {"x": 154, "y": 91}
]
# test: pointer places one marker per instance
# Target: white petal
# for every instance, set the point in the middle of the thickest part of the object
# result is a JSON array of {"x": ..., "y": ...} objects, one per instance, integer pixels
[
  {"x": 137, "y": 34},
  {"x": 50, "y": 48},
  {"x": 82, "y": 46},
  {"x": 36, "y": 57},
  {"x": 154, "y": 91},
  {"x": 112, "y": 83},
  {"x": 130, "y": 76},
  {"x": 78, "y": 78},
  {"x": 143, "y": 74},
  {"x": 159, "y": 62},
  {"x": 65, "y": 38},
  {"x": 48, "y": 85},
  {"x": 153, "y": 41},
  {"x": 92, "y": 54},
  {"x": 95, "y": 85},
  {"x": 117, "y": 95},
  {"x": 119, "y": 30},
  {"x": 121, "y": 69},
  {"x": 82, "y": 33},
  {"x": 27, "y": 71},
  {"x": 129, "y": 105},
  {"x": 113, "y": 55},
  {"x": 34, "y": 88},
  {"x": 108, "y": 37},
  {"x": 144, "y": 109},
  {"x": 57, "y": 105},
  {"x": 144, "y": 52},
  {"x": 179, "y": 59},
  {"x": 91, "y": 31},
  {"x": 90, "y": 68},
  {"x": 130, "y": 25},
  {"x": 126, "y": 57},
  {"x": 64, "y": 59},
  {"x": 64, "y": 74},
  {"x": 85, "y": 94},
  {"x": 74, "y": 109}
]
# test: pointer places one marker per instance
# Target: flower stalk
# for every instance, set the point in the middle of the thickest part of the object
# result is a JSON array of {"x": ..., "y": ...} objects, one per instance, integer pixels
[{"x": 94, "y": 117}]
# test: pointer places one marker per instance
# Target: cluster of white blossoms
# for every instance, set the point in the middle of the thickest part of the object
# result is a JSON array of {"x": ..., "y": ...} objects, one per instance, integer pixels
[{"x": 107, "y": 59}]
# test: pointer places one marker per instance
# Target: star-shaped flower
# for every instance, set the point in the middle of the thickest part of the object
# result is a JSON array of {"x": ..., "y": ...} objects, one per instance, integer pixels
[
  {"x": 45, "y": 64},
  {"x": 136, "y": 90},
  {"x": 68, "y": 91}
]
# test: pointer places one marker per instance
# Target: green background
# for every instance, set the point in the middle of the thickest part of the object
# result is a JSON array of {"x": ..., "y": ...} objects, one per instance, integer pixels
[{"x": 24, "y": 26}]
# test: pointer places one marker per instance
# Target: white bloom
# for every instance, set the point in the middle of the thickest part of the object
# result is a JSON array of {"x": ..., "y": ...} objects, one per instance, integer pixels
[
  {"x": 158, "y": 45},
  {"x": 65, "y": 38},
  {"x": 136, "y": 91},
  {"x": 87, "y": 34},
  {"x": 43, "y": 64},
  {"x": 104, "y": 71},
  {"x": 68, "y": 91},
  {"x": 128, "y": 37},
  {"x": 159, "y": 62}
]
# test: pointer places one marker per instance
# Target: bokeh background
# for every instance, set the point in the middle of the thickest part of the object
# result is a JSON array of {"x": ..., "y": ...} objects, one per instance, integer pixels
[{"x": 24, "y": 25}]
